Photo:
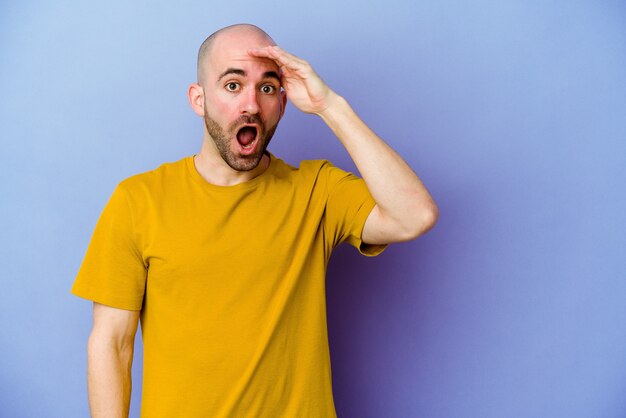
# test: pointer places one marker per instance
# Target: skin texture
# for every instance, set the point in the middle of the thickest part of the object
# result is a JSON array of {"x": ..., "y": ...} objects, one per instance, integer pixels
[
  {"x": 207, "y": 46},
  {"x": 222, "y": 139},
  {"x": 252, "y": 96},
  {"x": 211, "y": 67},
  {"x": 110, "y": 357},
  {"x": 227, "y": 102}
]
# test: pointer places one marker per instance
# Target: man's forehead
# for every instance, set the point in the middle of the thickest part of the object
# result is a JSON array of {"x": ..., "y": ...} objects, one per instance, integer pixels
[
  {"x": 235, "y": 54},
  {"x": 248, "y": 65},
  {"x": 228, "y": 48}
]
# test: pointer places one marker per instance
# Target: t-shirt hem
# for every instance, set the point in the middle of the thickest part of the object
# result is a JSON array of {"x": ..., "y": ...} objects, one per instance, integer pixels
[
  {"x": 368, "y": 250},
  {"x": 103, "y": 300}
]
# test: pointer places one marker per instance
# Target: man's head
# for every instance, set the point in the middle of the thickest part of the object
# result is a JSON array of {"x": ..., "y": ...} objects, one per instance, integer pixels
[{"x": 238, "y": 95}]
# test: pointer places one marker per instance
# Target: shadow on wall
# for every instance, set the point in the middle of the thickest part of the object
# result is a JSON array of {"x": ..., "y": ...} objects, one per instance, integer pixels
[
  {"x": 375, "y": 305},
  {"x": 383, "y": 312}
]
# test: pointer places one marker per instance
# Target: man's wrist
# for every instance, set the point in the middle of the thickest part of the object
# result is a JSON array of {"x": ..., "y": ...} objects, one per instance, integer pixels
[{"x": 336, "y": 105}]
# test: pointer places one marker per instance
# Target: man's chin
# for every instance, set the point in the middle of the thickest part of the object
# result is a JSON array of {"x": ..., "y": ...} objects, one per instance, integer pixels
[{"x": 243, "y": 162}]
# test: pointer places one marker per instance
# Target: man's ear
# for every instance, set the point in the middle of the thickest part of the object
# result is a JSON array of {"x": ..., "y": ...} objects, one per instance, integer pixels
[
  {"x": 196, "y": 98},
  {"x": 283, "y": 99}
]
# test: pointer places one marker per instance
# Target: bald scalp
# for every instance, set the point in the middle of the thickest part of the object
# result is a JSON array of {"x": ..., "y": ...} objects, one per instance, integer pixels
[{"x": 204, "y": 53}]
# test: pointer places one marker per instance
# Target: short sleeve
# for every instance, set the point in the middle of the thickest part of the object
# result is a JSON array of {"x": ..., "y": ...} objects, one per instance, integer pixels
[
  {"x": 113, "y": 272},
  {"x": 348, "y": 206}
]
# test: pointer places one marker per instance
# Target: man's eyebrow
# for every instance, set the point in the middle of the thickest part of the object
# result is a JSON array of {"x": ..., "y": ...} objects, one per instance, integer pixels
[
  {"x": 242, "y": 73},
  {"x": 232, "y": 71},
  {"x": 271, "y": 74}
]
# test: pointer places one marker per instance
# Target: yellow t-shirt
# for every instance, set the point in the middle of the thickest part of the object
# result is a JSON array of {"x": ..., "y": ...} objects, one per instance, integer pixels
[{"x": 230, "y": 281}]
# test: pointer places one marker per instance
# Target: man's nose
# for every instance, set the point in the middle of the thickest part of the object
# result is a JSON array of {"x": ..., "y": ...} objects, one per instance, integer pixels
[{"x": 250, "y": 103}]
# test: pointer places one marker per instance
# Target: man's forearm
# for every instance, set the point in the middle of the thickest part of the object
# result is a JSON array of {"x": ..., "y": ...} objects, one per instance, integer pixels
[
  {"x": 404, "y": 208},
  {"x": 109, "y": 379},
  {"x": 397, "y": 190}
]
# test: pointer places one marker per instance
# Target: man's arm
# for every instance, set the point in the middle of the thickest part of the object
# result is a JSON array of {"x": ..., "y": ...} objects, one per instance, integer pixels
[
  {"x": 404, "y": 208},
  {"x": 110, "y": 357}
]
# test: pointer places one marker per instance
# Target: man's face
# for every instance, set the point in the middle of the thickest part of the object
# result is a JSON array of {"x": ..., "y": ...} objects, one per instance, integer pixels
[{"x": 243, "y": 100}]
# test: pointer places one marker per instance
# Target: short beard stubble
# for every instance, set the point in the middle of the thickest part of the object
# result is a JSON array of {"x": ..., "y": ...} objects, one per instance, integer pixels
[{"x": 223, "y": 138}]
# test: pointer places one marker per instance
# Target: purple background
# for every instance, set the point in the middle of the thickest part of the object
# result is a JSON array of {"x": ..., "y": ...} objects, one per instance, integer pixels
[{"x": 512, "y": 112}]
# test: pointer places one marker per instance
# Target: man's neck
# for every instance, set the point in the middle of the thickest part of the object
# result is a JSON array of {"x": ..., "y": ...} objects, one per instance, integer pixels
[{"x": 212, "y": 167}]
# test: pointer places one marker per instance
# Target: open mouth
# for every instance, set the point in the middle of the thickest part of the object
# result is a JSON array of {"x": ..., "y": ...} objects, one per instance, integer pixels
[{"x": 247, "y": 136}]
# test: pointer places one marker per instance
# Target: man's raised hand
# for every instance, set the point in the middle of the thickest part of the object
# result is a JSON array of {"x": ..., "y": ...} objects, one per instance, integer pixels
[{"x": 304, "y": 88}]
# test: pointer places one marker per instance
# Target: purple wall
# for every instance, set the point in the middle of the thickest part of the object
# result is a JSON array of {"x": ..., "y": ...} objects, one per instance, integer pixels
[{"x": 513, "y": 114}]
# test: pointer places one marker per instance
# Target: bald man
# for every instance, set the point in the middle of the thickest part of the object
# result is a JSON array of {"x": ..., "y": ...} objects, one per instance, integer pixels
[{"x": 222, "y": 255}]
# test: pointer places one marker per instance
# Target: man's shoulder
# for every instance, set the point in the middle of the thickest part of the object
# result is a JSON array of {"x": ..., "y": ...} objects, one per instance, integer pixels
[
  {"x": 305, "y": 168},
  {"x": 160, "y": 175},
  {"x": 316, "y": 172}
]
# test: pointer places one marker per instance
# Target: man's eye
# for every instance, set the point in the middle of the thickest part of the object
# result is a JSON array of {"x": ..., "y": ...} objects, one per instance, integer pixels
[
  {"x": 268, "y": 89},
  {"x": 232, "y": 86}
]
